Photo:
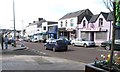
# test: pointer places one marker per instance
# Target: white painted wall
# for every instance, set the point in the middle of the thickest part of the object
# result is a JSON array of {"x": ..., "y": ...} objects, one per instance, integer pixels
[{"x": 68, "y": 23}]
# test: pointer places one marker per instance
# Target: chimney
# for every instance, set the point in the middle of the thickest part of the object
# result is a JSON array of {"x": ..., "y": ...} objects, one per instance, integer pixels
[
  {"x": 39, "y": 19},
  {"x": 33, "y": 21}
]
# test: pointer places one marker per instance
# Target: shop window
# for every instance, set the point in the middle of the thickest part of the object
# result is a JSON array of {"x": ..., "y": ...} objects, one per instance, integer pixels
[{"x": 101, "y": 35}]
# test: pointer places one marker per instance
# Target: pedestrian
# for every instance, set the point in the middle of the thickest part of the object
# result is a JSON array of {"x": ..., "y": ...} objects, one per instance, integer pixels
[
  {"x": 1, "y": 41},
  {"x": 6, "y": 42}
]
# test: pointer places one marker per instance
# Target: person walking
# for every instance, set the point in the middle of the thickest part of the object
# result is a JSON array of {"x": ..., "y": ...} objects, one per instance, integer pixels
[
  {"x": 1, "y": 41},
  {"x": 6, "y": 42}
]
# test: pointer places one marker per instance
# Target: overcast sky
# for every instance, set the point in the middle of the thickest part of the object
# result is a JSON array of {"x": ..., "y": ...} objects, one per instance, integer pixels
[{"x": 51, "y": 10}]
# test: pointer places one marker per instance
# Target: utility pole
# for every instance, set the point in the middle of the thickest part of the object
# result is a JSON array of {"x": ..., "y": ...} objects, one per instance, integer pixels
[
  {"x": 14, "y": 24},
  {"x": 22, "y": 28}
]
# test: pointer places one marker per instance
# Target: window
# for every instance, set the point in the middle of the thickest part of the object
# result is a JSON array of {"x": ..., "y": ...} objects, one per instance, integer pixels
[
  {"x": 61, "y": 24},
  {"x": 66, "y": 23},
  {"x": 100, "y": 22},
  {"x": 101, "y": 35},
  {"x": 84, "y": 24},
  {"x": 71, "y": 22},
  {"x": 44, "y": 28},
  {"x": 38, "y": 30}
]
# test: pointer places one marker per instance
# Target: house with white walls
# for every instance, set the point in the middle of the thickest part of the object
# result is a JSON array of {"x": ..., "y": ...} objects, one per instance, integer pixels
[
  {"x": 34, "y": 30},
  {"x": 67, "y": 25}
]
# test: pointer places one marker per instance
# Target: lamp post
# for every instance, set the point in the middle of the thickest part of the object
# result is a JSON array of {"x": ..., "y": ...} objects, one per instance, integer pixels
[
  {"x": 22, "y": 28},
  {"x": 14, "y": 23}
]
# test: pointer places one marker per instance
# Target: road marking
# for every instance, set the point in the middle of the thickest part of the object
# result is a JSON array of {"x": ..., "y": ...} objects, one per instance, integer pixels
[
  {"x": 44, "y": 53},
  {"x": 41, "y": 52}
]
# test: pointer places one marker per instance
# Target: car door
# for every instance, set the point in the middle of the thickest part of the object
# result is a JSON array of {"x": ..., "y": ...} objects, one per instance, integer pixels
[
  {"x": 80, "y": 42},
  {"x": 77, "y": 42}
]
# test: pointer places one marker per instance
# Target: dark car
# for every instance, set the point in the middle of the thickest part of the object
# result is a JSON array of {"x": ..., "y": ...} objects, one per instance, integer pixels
[
  {"x": 107, "y": 45},
  {"x": 66, "y": 40},
  {"x": 56, "y": 45}
]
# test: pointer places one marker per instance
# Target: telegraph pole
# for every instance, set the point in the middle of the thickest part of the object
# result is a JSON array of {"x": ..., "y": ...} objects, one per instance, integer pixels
[{"x": 14, "y": 23}]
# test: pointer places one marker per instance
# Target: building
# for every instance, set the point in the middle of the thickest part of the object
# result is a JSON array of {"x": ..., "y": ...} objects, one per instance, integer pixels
[
  {"x": 67, "y": 25},
  {"x": 98, "y": 28},
  {"x": 50, "y": 29}
]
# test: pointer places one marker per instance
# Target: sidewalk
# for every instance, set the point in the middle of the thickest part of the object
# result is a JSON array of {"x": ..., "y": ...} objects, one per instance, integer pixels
[{"x": 36, "y": 62}]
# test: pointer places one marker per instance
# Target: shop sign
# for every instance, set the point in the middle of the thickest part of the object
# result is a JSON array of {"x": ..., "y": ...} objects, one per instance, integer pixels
[{"x": 69, "y": 29}]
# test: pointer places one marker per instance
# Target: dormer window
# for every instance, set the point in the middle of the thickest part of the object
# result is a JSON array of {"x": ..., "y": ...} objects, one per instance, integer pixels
[
  {"x": 61, "y": 24},
  {"x": 100, "y": 22},
  {"x": 84, "y": 24},
  {"x": 71, "y": 22},
  {"x": 66, "y": 23}
]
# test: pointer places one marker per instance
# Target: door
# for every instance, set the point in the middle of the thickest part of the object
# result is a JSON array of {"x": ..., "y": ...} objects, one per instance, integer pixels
[{"x": 92, "y": 36}]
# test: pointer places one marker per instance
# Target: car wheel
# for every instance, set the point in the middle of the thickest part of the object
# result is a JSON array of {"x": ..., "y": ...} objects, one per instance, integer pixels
[
  {"x": 73, "y": 44},
  {"x": 66, "y": 49},
  {"x": 85, "y": 45},
  {"x": 54, "y": 50}
]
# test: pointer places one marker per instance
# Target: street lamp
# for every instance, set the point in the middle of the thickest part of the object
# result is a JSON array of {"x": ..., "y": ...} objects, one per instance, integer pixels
[{"x": 14, "y": 23}]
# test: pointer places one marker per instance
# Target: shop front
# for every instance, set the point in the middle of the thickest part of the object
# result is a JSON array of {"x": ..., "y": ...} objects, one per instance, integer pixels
[
  {"x": 67, "y": 33},
  {"x": 52, "y": 32}
]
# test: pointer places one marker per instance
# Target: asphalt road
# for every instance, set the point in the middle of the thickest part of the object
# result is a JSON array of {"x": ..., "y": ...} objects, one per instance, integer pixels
[{"x": 81, "y": 54}]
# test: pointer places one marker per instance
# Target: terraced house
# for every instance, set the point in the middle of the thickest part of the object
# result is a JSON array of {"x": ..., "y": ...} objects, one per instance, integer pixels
[
  {"x": 83, "y": 24},
  {"x": 67, "y": 25}
]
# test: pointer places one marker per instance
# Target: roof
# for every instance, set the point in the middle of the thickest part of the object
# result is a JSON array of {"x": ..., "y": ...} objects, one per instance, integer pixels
[
  {"x": 93, "y": 18},
  {"x": 73, "y": 14},
  {"x": 110, "y": 16},
  {"x": 39, "y": 24},
  {"x": 105, "y": 15},
  {"x": 88, "y": 17}
]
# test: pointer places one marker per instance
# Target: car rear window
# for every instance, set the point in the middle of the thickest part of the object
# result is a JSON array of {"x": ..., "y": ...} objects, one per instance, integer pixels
[{"x": 61, "y": 42}]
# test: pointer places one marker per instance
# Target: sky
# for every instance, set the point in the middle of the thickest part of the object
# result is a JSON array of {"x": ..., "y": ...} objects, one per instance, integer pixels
[{"x": 51, "y": 10}]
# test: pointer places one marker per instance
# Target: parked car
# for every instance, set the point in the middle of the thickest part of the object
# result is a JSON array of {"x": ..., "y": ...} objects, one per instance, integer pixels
[
  {"x": 82, "y": 42},
  {"x": 50, "y": 39},
  {"x": 66, "y": 40},
  {"x": 107, "y": 44},
  {"x": 56, "y": 45}
]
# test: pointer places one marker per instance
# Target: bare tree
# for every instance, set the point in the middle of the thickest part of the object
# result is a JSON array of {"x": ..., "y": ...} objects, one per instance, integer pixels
[{"x": 109, "y": 4}]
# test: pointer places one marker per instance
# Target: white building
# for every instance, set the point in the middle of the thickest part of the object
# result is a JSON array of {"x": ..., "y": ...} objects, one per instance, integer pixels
[{"x": 68, "y": 23}]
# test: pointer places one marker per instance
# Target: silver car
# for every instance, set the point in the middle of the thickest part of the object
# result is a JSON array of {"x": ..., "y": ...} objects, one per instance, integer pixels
[{"x": 82, "y": 42}]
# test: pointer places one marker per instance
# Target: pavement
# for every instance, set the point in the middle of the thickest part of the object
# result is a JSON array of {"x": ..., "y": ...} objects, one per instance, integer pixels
[{"x": 21, "y": 58}]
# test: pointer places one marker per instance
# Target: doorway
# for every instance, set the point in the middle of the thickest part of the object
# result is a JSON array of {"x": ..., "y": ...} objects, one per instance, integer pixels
[{"x": 92, "y": 36}]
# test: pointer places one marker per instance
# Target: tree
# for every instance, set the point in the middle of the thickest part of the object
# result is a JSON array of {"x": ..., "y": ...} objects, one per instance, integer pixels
[{"x": 115, "y": 7}]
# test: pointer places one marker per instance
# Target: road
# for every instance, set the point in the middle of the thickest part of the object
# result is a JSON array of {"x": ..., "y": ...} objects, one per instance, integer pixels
[{"x": 81, "y": 54}]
